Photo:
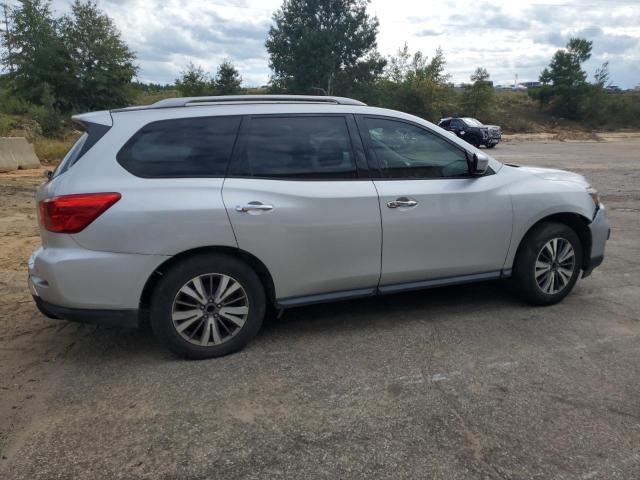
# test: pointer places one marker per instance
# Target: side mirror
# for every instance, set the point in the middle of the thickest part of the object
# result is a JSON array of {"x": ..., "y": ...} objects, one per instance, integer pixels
[
  {"x": 479, "y": 164},
  {"x": 48, "y": 174}
]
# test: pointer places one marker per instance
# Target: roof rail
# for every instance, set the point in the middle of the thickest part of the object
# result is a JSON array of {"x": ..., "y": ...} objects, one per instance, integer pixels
[
  {"x": 240, "y": 99},
  {"x": 226, "y": 99}
]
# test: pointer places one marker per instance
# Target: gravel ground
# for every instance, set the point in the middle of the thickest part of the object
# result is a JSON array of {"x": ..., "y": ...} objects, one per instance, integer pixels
[{"x": 453, "y": 383}]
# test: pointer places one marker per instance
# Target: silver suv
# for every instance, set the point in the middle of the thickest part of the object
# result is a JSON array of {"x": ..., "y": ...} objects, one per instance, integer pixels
[{"x": 200, "y": 214}]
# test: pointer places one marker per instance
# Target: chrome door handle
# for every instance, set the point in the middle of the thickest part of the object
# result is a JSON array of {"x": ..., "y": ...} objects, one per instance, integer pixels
[
  {"x": 253, "y": 206},
  {"x": 402, "y": 202}
]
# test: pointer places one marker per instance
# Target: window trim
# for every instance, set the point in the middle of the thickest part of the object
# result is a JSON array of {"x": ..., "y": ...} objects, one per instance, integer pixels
[
  {"x": 373, "y": 159},
  {"x": 359, "y": 156},
  {"x": 154, "y": 177}
]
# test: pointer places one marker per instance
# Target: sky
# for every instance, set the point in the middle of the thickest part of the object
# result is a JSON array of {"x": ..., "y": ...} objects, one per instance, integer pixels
[{"x": 508, "y": 38}]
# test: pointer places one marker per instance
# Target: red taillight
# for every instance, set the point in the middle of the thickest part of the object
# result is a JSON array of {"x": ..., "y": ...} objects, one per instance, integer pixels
[{"x": 73, "y": 213}]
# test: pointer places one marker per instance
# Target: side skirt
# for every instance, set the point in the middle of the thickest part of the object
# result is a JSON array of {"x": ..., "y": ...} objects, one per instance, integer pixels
[{"x": 389, "y": 289}]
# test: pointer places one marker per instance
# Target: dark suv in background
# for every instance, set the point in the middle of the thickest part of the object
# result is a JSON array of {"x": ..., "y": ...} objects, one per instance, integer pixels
[{"x": 472, "y": 131}]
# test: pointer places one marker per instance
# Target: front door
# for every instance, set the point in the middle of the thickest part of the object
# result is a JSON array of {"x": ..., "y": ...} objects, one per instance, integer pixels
[
  {"x": 299, "y": 203},
  {"x": 438, "y": 221}
]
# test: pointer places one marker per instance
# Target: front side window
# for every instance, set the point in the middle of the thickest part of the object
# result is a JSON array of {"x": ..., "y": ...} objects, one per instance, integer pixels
[
  {"x": 404, "y": 150},
  {"x": 183, "y": 147},
  {"x": 298, "y": 147}
]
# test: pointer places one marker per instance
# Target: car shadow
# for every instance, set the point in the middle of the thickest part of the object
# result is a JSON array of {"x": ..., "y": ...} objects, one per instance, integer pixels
[
  {"x": 99, "y": 343},
  {"x": 356, "y": 313}
]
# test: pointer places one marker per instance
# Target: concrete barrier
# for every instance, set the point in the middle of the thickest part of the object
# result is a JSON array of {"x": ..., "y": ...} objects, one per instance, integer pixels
[{"x": 17, "y": 153}]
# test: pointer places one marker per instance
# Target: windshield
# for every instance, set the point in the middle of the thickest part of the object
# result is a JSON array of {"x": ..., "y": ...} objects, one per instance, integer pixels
[{"x": 472, "y": 122}]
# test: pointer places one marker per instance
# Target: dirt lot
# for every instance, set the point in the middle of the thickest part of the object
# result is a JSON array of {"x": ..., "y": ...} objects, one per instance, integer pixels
[{"x": 452, "y": 383}]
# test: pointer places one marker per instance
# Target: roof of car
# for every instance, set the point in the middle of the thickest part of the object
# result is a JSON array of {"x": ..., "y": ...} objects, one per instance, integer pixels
[{"x": 243, "y": 100}]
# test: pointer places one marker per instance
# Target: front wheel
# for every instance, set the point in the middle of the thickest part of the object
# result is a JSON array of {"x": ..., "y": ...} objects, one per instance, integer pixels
[
  {"x": 548, "y": 263},
  {"x": 207, "y": 306}
]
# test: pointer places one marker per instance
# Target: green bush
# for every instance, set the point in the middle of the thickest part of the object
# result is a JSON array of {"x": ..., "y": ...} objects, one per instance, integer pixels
[
  {"x": 6, "y": 124},
  {"x": 13, "y": 105},
  {"x": 50, "y": 121}
]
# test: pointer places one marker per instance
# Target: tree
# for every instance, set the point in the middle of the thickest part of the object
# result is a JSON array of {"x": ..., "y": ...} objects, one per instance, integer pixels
[
  {"x": 42, "y": 66},
  {"x": 434, "y": 70},
  {"x": 227, "y": 80},
  {"x": 5, "y": 41},
  {"x": 564, "y": 83},
  {"x": 415, "y": 84},
  {"x": 194, "y": 82},
  {"x": 602, "y": 75},
  {"x": 565, "y": 67},
  {"x": 478, "y": 98},
  {"x": 103, "y": 65},
  {"x": 327, "y": 45}
]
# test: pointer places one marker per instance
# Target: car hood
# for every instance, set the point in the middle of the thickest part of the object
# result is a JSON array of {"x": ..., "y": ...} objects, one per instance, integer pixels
[{"x": 556, "y": 175}]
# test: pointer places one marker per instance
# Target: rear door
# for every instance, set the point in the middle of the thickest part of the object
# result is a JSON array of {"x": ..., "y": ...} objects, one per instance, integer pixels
[
  {"x": 438, "y": 221},
  {"x": 300, "y": 200}
]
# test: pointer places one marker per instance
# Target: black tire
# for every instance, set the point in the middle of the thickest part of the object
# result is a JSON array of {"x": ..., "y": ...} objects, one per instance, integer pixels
[
  {"x": 162, "y": 301},
  {"x": 492, "y": 145},
  {"x": 524, "y": 279}
]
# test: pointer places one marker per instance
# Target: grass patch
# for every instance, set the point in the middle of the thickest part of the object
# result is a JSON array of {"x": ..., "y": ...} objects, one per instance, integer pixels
[
  {"x": 6, "y": 124},
  {"x": 51, "y": 150}
]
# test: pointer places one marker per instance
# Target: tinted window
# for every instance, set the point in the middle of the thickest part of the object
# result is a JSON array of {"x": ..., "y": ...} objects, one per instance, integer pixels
[
  {"x": 407, "y": 151},
  {"x": 185, "y": 147},
  {"x": 298, "y": 147},
  {"x": 457, "y": 123},
  {"x": 72, "y": 156}
]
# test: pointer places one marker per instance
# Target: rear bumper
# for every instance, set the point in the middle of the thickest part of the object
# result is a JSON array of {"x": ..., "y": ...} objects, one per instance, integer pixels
[
  {"x": 74, "y": 278},
  {"x": 116, "y": 318},
  {"x": 600, "y": 232}
]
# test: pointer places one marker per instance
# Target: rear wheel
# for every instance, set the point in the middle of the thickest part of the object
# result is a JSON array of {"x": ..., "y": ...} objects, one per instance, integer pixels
[
  {"x": 207, "y": 306},
  {"x": 548, "y": 264}
]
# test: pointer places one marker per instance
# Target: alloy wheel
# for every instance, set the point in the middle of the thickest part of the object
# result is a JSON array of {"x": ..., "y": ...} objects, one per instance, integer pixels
[
  {"x": 210, "y": 309},
  {"x": 555, "y": 266}
]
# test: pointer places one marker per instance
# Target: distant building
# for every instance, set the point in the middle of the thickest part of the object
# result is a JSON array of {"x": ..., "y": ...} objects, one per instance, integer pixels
[
  {"x": 530, "y": 84},
  {"x": 518, "y": 87}
]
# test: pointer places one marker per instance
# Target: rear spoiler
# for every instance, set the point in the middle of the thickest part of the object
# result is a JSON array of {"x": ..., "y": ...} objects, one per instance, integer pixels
[
  {"x": 102, "y": 117},
  {"x": 96, "y": 124}
]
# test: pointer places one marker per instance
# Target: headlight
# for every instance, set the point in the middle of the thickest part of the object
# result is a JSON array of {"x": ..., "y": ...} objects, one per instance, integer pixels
[{"x": 594, "y": 196}]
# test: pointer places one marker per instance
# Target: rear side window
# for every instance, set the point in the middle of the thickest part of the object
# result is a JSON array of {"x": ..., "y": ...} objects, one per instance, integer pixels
[
  {"x": 184, "y": 147},
  {"x": 297, "y": 147}
]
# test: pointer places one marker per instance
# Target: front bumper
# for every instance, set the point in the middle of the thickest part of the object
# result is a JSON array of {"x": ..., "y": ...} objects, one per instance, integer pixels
[{"x": 600, "y": 232}]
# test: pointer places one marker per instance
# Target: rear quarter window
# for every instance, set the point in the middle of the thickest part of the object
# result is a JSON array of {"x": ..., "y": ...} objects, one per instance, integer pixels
[
  {"x": 72, "y": 156},
  {"x": 184, "y": 147}
]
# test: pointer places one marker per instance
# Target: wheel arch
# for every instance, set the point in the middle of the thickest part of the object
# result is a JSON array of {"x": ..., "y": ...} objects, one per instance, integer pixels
[
  {"x": 251, "y": 260},
  {"x": 577, "y": 222}
]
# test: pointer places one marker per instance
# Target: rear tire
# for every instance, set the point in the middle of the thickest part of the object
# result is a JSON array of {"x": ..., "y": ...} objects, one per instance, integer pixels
[
  {"x": 547, "y": 264},
  {"x": 190, "y": 297}
]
